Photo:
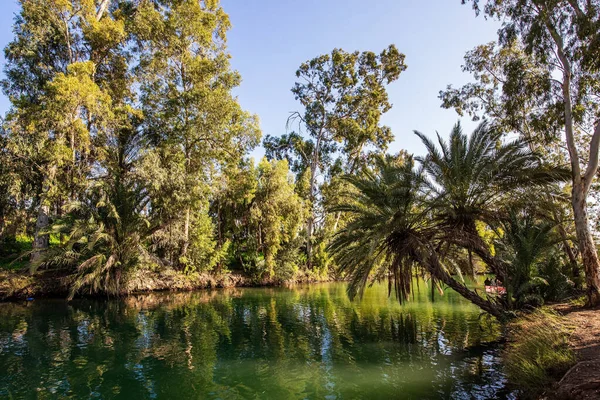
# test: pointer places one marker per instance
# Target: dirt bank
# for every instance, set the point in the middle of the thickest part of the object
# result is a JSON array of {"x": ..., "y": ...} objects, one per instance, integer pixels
[
  {"x": 19, "y": 286},
  {"x": 582, "y": 381}
]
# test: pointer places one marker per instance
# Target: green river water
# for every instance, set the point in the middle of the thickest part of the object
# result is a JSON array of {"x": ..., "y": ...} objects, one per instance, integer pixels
[{"x": 305, "y": 342}]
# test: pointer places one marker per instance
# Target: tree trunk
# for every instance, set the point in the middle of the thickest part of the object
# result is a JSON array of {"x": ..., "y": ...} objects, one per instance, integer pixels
[
  {"x": 2, "y": 226},
  {"x": 476, "y": 245},
  {"x": 469, "y": 294},
  {"x": 311, "y": 217},
  {"x": 581, "y": 182},
  {"x": 587, "y": 247},
  {"x": 41, "y": 239},
  {"x": 102, "y": 9},
  {"x": 569, "y": 251},
  {"x": 436, "y": 269},
  {"x": 186, "y": 233}
]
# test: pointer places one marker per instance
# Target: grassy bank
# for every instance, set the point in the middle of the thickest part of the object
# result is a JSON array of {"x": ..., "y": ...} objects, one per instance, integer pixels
[{"x": 538, "y": 352}]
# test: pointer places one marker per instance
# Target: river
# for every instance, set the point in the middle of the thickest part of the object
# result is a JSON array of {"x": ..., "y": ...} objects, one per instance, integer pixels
[{"x": 304, "y": 342}]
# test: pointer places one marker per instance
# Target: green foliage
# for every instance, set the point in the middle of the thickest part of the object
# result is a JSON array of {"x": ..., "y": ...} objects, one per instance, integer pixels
[
  {"x": 277, "y": 211},
  {"x": 429, "y": 219},
  {"x": 121, "y": 118},
  {"x": 106, "y": 233},
  {"x": 191, "y": 117},
  {"x": 541, "y": 79},
  {"x": 524, "y": 245},
  {"x": 515, "y": 76},
  {"x": 559, "y": 286},
  {"x": 388, "y": 231},
  {"x": 10, "y": 250},
  {"x": 469, "y": 175},
  {"x": 203, "y": 254},
  {"x": 125, "y": 148},
  {"x": 538, "y": 352},
  {"x": 344, "y": 96}
]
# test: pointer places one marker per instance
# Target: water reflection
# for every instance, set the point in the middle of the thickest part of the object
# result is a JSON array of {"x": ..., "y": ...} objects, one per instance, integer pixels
[{"x": 305, "y": 342}]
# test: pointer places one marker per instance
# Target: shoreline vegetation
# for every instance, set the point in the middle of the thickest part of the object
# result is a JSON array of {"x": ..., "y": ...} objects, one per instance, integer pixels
[
  {"x": 553, "y": 353},
  {"x": 17, "y": 286},
  {"x": 125, "y": 166}
]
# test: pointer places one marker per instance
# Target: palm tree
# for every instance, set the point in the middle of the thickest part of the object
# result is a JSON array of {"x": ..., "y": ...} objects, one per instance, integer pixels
[
  {"x": 105, "y": 235},
  {"x": 391, "y": 233},
  {"x": 526, "y": 242},
  {"x": 471, "y": 179},
  {"x": 428, "y": 218}
]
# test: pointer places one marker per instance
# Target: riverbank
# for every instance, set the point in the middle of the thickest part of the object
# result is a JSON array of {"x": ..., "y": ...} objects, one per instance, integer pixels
[
  {"x": 21, "y": 286},
  {"x": 553, "y": 353},
  {"x": 582, "y": 381}
]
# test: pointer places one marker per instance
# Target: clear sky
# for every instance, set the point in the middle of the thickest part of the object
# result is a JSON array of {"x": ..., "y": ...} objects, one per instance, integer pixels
[{"x": 271, "y": 38}]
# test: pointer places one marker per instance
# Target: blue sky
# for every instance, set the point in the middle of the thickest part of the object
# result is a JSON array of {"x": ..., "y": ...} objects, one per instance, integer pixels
[{"x": 271, "y": 38}]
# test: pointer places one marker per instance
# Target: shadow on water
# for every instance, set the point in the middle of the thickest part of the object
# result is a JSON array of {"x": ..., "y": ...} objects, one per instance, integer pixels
[{"x": 267, "y": 343}]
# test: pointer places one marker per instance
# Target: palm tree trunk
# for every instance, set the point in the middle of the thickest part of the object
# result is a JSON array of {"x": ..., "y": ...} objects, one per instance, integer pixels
[{"x": 436, "y": 269}]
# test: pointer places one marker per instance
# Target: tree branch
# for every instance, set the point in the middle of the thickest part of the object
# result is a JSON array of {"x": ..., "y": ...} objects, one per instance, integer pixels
[
  {"x": 566, "y": 88},
  {"x": 102, "y": 9},
  {"x": 576, "y": 8},
  {"x": 592, "y": 166}
]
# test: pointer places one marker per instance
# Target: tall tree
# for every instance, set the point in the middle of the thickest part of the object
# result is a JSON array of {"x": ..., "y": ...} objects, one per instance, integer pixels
[
  {"x": 542, "y": 78},
  {"x": 277, "y": 211},
  {"x": 192, "y": 119},
  {"x": 344, "y": 96},
  {"x": 62, "y": 53}
]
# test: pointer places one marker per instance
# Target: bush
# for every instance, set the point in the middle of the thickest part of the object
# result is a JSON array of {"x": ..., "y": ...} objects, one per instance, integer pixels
[
  {"x": 559, "y": 286},
  {"x": 11, "y": 248},
  {"x": 538, "y": 351}
]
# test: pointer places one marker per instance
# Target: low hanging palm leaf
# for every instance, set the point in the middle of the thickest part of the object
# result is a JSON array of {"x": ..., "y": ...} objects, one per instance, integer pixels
[
  {"x": 388, "y": 230},
  {"x": 391, "y": 234},
  {"x": 104, "y": 239}
]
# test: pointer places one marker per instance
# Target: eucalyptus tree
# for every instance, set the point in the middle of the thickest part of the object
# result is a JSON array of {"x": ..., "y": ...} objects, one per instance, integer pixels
[
  {"x": 7, "y": 199},
  {"x": 277, "y": 212},
  {"x": 343, "y": 95},
  {"x": 192, "y": 120},
  {"x": 58, "y": 66},
  {"x": 541, "y": 79},
  {"x": 259, "y": 216}
]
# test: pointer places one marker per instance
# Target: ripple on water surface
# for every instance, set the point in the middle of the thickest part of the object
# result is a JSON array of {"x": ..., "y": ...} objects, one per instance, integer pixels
[{"x": 307, "y": 342}]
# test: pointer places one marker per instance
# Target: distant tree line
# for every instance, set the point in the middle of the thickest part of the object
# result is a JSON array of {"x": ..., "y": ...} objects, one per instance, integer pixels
[{"x": 124, "y": 150}]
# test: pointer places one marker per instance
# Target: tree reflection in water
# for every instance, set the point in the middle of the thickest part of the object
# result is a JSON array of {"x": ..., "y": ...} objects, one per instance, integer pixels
[{"x": 303, "y": 342}]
